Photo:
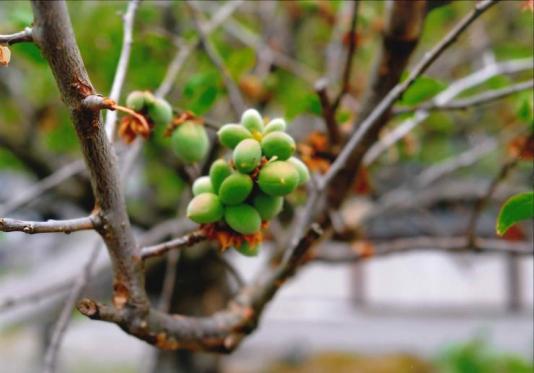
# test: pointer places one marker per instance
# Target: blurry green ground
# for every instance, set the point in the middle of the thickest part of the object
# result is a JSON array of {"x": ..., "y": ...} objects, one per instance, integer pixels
[{"x": 471, "y": 357}]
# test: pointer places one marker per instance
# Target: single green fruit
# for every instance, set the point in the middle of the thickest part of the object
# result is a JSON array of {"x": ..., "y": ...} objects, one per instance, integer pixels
[
  {"x": 202, "y": 185},
  {"x": 278, "y": 178},
  {"x": 278, "y": 144},
  {"x": 150, "y": 99},
  {"x": 136, "y": 100},
  {"x": 268, "y": 206},
  {"x": 232, "y": 134},
  {"x": 205, "y": 208},
  {"x": 304, "y": 173},
  {"x": 277, "y": 124},
  {"x": 252, "y": 121},
  {"x": 248, "y": 250},
  {"x": 247, "y": 155},
  {"x": 160, "y": 111},
  {"x": 235, "y": 188},
  {"x": 219, "y": 171},
  {"x": 243, "y": 218},
  {"x": 190, "y": 142}
]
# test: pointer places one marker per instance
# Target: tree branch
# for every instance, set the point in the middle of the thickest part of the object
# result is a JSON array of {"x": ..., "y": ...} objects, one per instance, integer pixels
[
  {"x": 234, "y": 94},
  {"x": 50, "y": 226},
  {"x": 18, "y": 37},
  {"x": 52, "y": 28},
  {"x": 328, "y": 111},
  {"x": 505, "y": 169},
  {"x": 453, "y": 245},
  {"x": 178, "y": 243},
  {"x": 122, "y": 65},
  {"x": 62, "y": 323},
  {"x": 347, "y": 69},
  {"x": 367, "y": 132},
  {"x": 403, "y": 28},
  {"x": 221, "y": 332},
  {"x": 175, "y": 66},
  {"x": 476, "y": 100},
  {"x": 454, "y": 89}
]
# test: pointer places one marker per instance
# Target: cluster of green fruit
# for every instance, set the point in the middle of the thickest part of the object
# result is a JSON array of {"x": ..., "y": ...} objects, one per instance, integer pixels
[
  {"x": 189, "y": 140},
  {"x": 248, "y": 190}
]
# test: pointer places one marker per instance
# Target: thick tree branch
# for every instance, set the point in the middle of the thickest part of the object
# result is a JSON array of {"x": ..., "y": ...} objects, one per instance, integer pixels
[
  {"x": 50, "y": 226},
  {"x": 403, "y": 28},
  {"x": 345, "y": 167},
  {"x": 18, "y": 37},
  {"x": 221, "y": 332},
  {"x": 54, "y": 35}
]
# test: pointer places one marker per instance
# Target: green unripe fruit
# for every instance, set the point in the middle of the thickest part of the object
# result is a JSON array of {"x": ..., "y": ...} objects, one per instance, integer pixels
[
  {"x": 160, "y": 111},
  {"x": 235, "y": 189},
  {"x": 248, "y": 250},
  {"x": 219, "y": 171},
  {"x": 136, "y": 100},
  {"x": 205, "y": 208},
  {"x": 274, "y": 125},
  {"x": 202, "y": 185},
  {"x": 304, "y": 173},
  {"x": 150, "y": 99},
  {"x": 190, "y": 142},
  {"x": 268, "y": 206},
  {"x": 278, "y": 178},
  {"x": 252, "y": 121},
  {"x": 232, "y": 134},
  {"x": 278, "y": 144},
  {"x": 247, "y": 155},
  {"x": 243, "y": 218}
]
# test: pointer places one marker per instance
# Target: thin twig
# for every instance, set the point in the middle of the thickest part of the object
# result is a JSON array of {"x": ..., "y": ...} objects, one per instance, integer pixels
[
  {"x": 345, "y": 80},
  {"x": 122, "y": 66},
  {"x": 263, "y": 50},
  {"x": 35, "y": 296},
  {"x": 329, "y": 113},
  {"x": 234, "y": 94},
  {"x": 185, "y": 50},
  {"x": 39, "y": 188},
  {"x": 453, "y": 245},
  {"x": 475, "y": 100},
  {"x": 400, "y": 88},
  {"x": 178, "y": 243},
  {"x": 50, "y": 226},
  {"x": 454, "y": 89},
  {"x": 449, "y": 165},
  {"x": 51, "y": 355},
  {"x": 482, "y": 202},
  {"x": 18, "y": 37}
]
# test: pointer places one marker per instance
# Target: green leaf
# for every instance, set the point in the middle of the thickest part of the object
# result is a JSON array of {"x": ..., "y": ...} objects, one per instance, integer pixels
[
  {"x": 200, "y": 92},
  {"x": 422, "y": 89},
  {"x": 517, "y": 208}
]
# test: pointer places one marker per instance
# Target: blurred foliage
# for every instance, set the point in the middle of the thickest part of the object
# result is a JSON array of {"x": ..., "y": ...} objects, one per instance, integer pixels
[
  {"x": 476, "y": 356},
  {"x": 350, "y": 363},
  {"x": 33, "y": 116}
]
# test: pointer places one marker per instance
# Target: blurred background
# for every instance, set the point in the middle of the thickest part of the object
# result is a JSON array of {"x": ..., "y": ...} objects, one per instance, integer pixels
[{"x": 418, "y": 311}]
